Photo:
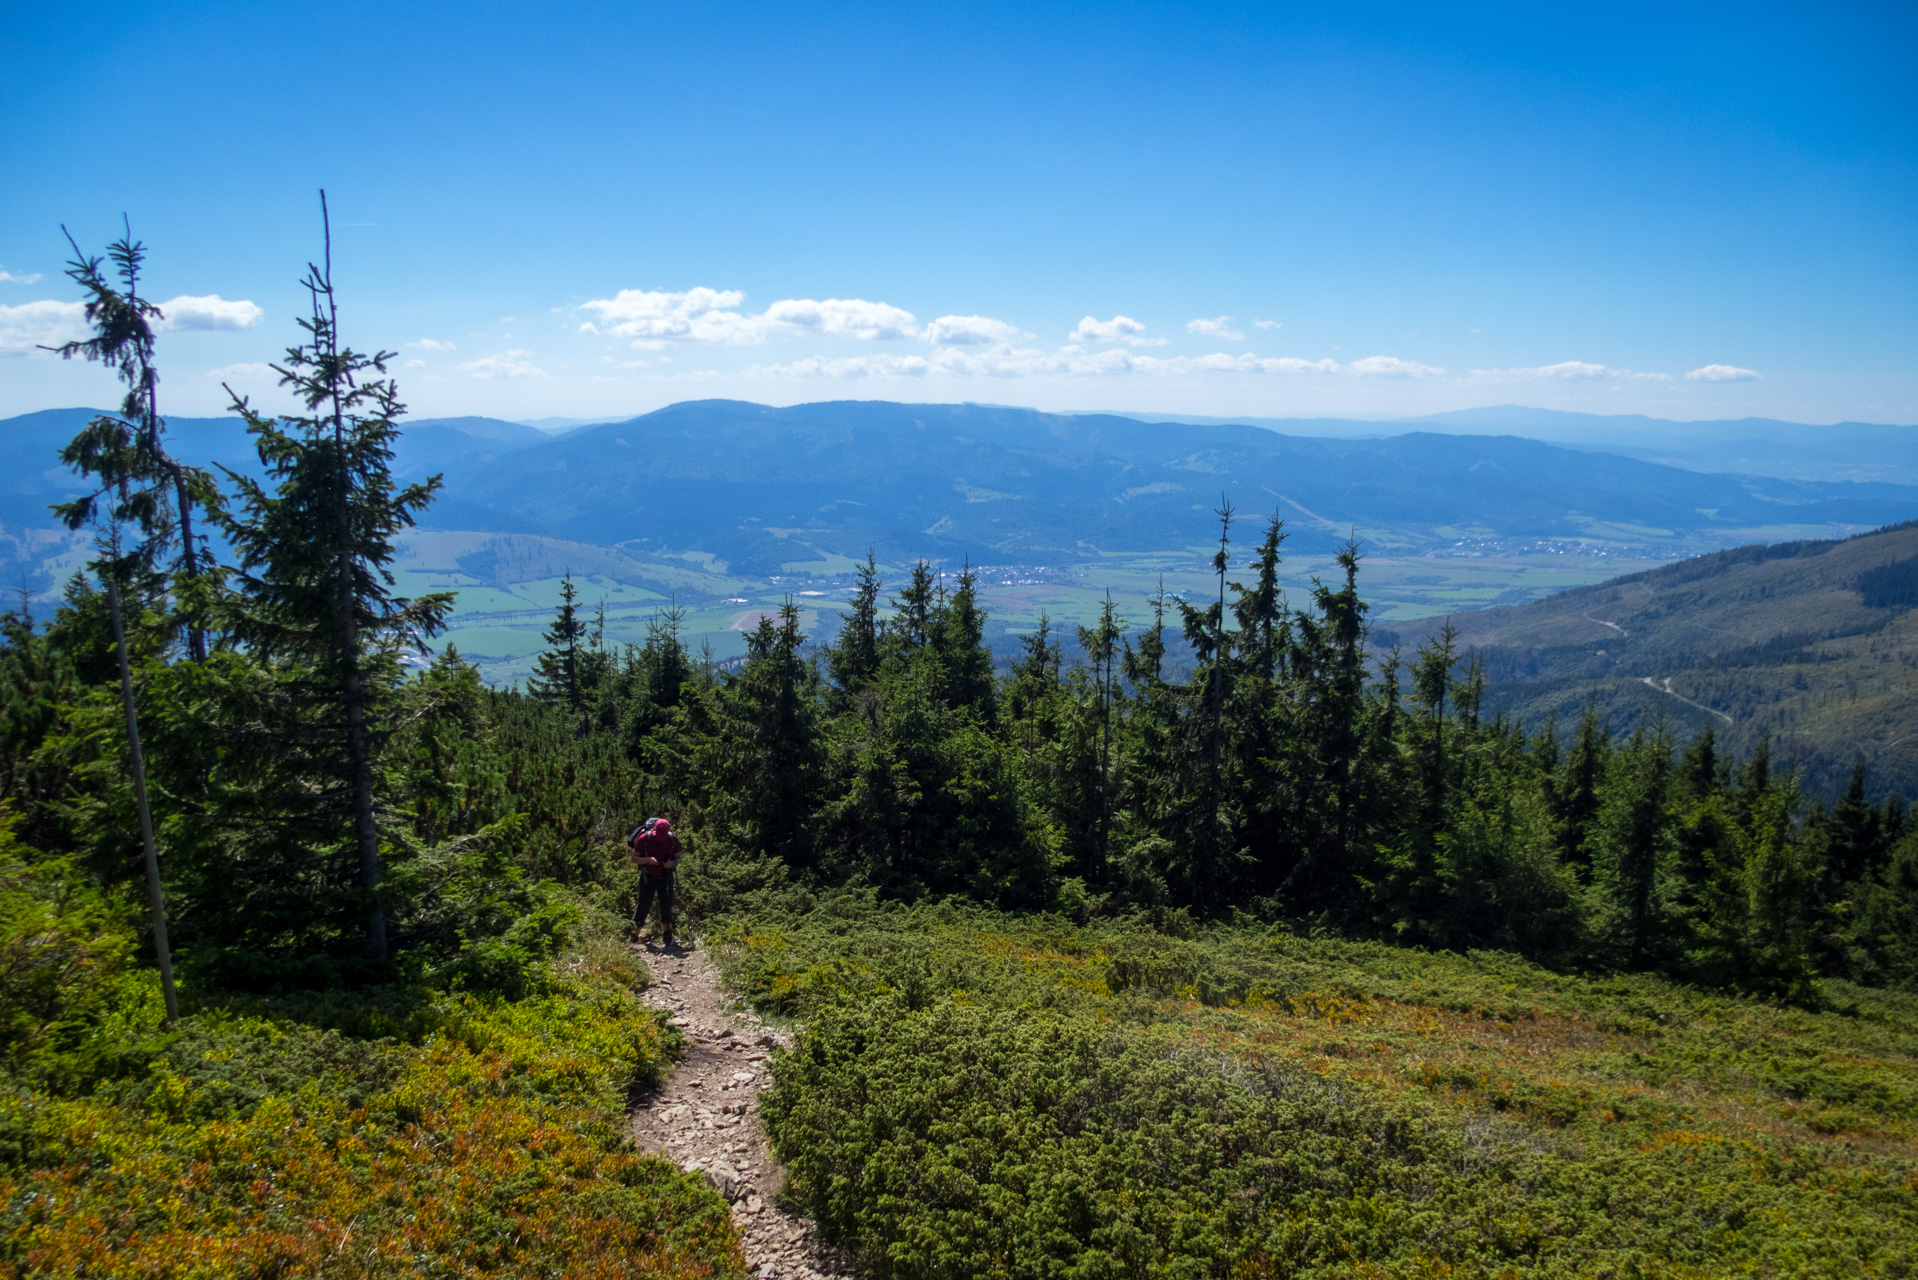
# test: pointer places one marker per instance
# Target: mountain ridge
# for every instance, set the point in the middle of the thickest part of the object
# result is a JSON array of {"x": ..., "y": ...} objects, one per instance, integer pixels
[{"x": 1811, "y": 643}]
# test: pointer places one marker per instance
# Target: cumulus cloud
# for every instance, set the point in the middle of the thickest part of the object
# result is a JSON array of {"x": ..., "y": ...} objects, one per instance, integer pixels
[
  {"x": 1268, "y": 324},
  {"x": 848, "y": 317},
  {"x": 1118, "y": 329},
  {"x": 653, "y": 318},
  {"x": 31, "y": 325},
  {"x": 1567, "y": 371},
  {"x": 649, "y": 316},
  {"x": 1393, "y": 367},
  {"x": 7, "y": 277},
  {"x": 1723, "y": 373},
  {"x": 970, "y": 331},
  {"x": 1217, "y": 327},
  {"x": 208, "y": 312},
  {"x": 431, "y": 344},
  {"x": 505, "y": 364}
]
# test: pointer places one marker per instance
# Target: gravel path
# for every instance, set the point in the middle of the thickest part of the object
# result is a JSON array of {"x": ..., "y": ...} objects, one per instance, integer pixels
[{"x": 705, "y": 1117}]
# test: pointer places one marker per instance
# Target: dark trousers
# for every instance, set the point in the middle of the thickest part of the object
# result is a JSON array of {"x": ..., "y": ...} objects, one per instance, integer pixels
[{"x": 649, "y": 887}]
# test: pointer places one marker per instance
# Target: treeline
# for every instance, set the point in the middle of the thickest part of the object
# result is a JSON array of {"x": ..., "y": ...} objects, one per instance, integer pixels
[
  {"x": 1293, "y": 775},
  {"x": 325, "y": 814}
]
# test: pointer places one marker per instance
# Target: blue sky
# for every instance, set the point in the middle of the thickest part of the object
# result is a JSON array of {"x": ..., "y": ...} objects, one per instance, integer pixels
[{"x": 586, "y": 210}]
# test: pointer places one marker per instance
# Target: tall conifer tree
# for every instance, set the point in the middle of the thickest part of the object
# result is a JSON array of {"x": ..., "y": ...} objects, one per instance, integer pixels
[
  {"x": 314, "y": 555},
  {"x": 560, "y": 665}
]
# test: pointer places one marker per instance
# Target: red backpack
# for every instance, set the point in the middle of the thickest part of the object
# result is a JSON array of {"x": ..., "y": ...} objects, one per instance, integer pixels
[{"x": 641, "y": 833}]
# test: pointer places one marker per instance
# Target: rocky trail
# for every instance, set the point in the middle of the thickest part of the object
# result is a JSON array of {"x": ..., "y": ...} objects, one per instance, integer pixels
[{"x": 705, "y": 1117}]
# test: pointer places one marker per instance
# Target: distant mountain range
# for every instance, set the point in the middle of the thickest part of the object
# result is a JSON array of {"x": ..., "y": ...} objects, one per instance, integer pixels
[
  {"x": 1813, "y": 642},
  {"x": 759, "y": 487},
  {"x": 718, "y": 504},
  {"x": 1744, "y": 446}
]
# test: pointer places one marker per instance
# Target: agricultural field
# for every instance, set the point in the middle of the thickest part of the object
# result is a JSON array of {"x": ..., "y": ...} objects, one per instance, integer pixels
[{"x": 505, "y": 601}]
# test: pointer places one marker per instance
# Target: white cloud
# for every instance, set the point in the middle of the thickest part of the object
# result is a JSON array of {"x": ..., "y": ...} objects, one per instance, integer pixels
[
  {"x": 415, "y": 364},
  {"x": 1393, "y": 367},
  {"x": 1218, "y": 327},
  {"x": 1118, "y": 329},
  {"x": 650, "y": 318},
  {"x": 210, "y": 312},
  {"x": 1567, "y": 371},
  {"x": 506, "y": 364},
  {"x": 851, "y": 317},
  {"x": 1723, "y": 373},
  {"x": 32, "y": 325},
  {"x": 7, "y": 277},
  {"x": 970, "y": 331},
  {"x": 697, "y": 315},
  {"x": 431, "y": 344},
  {"x": 1268, "y": 324}
]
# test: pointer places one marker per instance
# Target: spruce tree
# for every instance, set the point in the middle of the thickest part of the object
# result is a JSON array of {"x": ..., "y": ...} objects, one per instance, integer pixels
[
  {"x": 911, "y": 625},
  {"x": 1575, "y": 798},
  {"x": 1327, "y": 666},
  {"x": 770, "y": 766},
  {"x": 314, "y": 576},
  {"x": 1206, "y": 872},
  {"x": 1102, "y": 645},
  {"x": 1634, "y": 843},
  {"x": 560, "y": 664},
  {"x": 854, "y": 658},
  {"x": 127, "y": 452},
  {"x": 959, "y": 638},
  {"x": 124, "y": 455}
]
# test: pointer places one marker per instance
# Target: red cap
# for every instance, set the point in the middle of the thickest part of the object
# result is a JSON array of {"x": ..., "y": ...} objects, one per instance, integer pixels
[{"x": 662, "y": 825}]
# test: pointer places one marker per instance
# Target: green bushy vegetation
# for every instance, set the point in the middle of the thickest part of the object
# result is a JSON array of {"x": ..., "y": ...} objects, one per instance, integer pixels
[
  {"x": 481, "y": 1135},
  {"x": 985, "y": 1095}
]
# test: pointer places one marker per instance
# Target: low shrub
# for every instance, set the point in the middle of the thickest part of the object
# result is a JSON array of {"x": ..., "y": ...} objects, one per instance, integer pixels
[
  {"x": 249, "y": 1149},
  {"x": 294, "y": 1137},
  {"x": 983, "y": 1095}
]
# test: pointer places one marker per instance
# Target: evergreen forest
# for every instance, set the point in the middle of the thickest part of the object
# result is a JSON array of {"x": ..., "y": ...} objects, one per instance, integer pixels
[{"x": 1212, "y": 939}]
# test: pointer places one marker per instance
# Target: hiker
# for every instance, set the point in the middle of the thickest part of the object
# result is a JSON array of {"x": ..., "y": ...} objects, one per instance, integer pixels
[{"x": 655, "y": 852}]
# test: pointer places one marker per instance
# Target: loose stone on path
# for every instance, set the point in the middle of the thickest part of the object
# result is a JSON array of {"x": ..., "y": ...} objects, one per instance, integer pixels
[{"x": 705, "y": 1117}]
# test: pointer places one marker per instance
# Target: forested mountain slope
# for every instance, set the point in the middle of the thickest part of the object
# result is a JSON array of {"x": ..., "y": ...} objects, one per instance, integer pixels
[
  {"x": 947, "y": 481},
  {"x": 759, "y": 487},
  {"x": 1812, "y": 643},
  {"x": 1740, "y": 446}
]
